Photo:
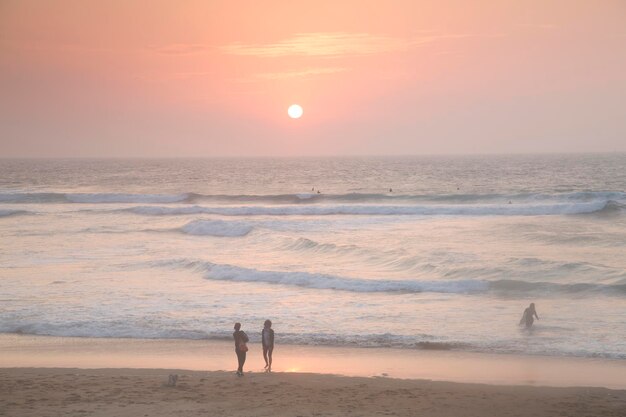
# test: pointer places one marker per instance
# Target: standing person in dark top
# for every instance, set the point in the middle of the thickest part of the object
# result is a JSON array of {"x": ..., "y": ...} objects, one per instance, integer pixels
[
  {"x": 241, "y": 347},
  {"x": 267, "y": 339}
]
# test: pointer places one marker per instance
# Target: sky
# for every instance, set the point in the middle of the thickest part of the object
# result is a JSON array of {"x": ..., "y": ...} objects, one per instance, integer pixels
[{"x": 125, "y": 78}]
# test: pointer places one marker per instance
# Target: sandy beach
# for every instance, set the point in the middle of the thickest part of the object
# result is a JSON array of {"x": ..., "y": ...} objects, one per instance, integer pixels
[
  {"x": 143, "y": 392},
  {"x": 51, "y": 376}
]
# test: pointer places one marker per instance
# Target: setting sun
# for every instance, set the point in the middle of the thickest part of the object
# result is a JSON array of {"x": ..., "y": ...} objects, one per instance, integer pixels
[{"x": 295, "y": 111}]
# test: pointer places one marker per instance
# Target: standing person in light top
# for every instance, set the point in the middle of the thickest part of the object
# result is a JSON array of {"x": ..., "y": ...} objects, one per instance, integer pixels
[
  {"x": 267, "y": 339},
  {"x": 241, "y": 347}
]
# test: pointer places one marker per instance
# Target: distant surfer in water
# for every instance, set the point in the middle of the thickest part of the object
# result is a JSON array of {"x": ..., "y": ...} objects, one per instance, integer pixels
[{"x": 527, "y": 318}]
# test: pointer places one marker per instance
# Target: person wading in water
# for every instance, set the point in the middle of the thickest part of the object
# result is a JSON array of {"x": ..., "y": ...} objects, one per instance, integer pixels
[{"x": 527, "y": 318}]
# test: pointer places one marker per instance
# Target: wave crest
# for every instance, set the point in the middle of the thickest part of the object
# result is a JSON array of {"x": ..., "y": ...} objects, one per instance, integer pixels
[
  {"x": 381, "y": 210},
  {"x": 8, "y": 212},
  {"x": 308, "y": 198},
  {"x": 216, "y": 228},
  {"x": 224, "y": 272},
  {"x": 91, "y": 198}
]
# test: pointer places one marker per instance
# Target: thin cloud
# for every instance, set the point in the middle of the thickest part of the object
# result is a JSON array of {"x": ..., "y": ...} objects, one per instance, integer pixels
[
  {"x": 300, "y": 74},
  {"x": 330, "y": 44}
]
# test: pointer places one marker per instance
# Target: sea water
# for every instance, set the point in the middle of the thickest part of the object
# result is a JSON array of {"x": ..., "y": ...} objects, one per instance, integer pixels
[{"x": 406, "y": 252}]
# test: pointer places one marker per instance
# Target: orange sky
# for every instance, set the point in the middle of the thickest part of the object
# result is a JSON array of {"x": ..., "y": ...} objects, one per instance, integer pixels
[{"x": 215, "y": 78}]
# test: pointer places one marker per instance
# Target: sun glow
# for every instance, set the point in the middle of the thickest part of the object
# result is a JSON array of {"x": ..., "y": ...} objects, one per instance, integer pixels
[{"x": 295, "y": 111}]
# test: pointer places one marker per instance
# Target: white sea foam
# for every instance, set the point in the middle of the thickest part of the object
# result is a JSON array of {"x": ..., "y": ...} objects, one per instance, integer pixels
[{"x": 216, "y": 228}]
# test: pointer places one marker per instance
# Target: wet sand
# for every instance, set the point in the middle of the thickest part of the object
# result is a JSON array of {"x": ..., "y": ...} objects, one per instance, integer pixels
[{"x": 205, "y": 355}]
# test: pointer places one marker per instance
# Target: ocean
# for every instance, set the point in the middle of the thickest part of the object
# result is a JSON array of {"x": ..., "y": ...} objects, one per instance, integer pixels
[{"x": 435, "y": 252}]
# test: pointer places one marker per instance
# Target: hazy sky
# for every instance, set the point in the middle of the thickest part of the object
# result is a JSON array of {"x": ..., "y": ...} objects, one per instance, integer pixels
[{"x": 215, "y": 78}]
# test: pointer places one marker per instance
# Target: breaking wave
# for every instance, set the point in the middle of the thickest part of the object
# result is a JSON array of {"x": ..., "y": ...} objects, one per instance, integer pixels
[
  {"x": 223, "y": 272},
  {"x": 311, "y": 198},
  {"x": 216, "y": 228},
  {"x": 94, "y": 198},
  {"x": 423, "y": 210},
  {"x": 8, "y": 213},
  {"x": 612, "y": 207}
]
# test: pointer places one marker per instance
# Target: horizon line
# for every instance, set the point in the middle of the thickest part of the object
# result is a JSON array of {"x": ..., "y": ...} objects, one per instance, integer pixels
[{"x": 538, "y": 153}]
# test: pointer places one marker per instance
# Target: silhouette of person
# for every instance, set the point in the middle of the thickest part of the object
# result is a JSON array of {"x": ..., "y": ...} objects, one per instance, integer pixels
[
  {"x": 267, "y": 340},
  {"x": 527, "y": 318},
  {"x": 241, "y": 338}
]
